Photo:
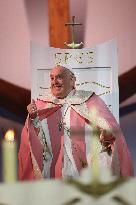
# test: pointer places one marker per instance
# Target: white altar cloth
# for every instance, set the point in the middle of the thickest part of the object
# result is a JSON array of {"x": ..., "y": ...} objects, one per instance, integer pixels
[{"x": 56, "y": 192}]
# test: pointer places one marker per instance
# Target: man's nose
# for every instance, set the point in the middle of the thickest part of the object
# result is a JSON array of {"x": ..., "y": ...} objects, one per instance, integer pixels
[{"x": 55, "y": 81}]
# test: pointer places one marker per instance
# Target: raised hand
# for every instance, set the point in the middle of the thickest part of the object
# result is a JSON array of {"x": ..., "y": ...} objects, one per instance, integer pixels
[{"x": 32, "y": 109}]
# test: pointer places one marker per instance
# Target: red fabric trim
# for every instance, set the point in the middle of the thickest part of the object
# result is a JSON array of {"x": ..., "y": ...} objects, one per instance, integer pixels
[
  {"x": 55, "y": 138},
  {"x": 25, "y": 168}
]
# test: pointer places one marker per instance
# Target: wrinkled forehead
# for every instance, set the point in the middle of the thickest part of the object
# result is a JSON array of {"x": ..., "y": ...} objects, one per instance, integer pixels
[{"x": 58, "y": 70}]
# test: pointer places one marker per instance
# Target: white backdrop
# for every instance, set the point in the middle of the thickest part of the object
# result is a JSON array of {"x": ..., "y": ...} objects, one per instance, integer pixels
[{"x": 96, "y": 69}]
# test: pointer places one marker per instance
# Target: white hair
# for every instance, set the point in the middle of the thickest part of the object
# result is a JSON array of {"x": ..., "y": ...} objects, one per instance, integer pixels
[
  {"x": 72, "y": 75},
  {"x": 70, "y": 72},
  {"x": 69, "y": 69}
]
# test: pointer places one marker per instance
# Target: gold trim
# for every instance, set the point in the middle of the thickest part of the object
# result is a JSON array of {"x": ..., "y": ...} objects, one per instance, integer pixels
[{"x": 37, "y": 172}]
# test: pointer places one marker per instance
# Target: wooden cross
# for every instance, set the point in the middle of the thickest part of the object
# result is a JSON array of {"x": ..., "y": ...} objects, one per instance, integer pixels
[{"x": 73, "y": 24}]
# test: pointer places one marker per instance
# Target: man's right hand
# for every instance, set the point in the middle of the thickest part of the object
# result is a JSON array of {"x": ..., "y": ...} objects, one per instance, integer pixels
[{"x": 32, "y": 109}]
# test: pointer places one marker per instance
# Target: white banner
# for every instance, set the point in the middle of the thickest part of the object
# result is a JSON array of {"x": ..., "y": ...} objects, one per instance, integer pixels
[{"x": 96, "y": 69}]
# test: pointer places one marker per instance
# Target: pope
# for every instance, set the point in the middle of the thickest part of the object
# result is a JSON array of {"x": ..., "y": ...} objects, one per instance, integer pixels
[{"x": 56, "y": 138}]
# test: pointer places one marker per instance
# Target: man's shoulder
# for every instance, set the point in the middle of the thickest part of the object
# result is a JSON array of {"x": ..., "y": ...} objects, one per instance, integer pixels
[
  {"x": 82, "y": 96},
  {"x": 83, "y": 93}
]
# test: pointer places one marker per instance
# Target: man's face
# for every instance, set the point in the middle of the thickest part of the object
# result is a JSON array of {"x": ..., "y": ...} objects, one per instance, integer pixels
[{"x": 61, "y": 82}]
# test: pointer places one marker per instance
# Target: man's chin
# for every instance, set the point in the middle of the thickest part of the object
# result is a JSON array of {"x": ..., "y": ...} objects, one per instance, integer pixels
[{"x": 58, "y": 95}]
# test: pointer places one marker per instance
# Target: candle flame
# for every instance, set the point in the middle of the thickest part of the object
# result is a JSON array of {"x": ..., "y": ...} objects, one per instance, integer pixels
[
  {"x": 97, "y": 120},
  {"x": 10, "y": 135}
]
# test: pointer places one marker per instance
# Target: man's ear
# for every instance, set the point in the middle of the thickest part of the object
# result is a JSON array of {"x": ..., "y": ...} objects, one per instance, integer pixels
[{"x": 73, "y": 80}]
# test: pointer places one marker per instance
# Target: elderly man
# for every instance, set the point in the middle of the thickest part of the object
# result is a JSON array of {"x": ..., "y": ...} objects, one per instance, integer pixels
[{"x": 56, "y": 139}]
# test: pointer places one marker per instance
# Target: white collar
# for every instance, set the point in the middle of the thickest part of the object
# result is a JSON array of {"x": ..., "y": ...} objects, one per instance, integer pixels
[{"x": 75, "y": 97}]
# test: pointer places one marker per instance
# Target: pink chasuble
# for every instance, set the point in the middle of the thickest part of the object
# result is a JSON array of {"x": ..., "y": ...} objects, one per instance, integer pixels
[
  {"x": 57, "y": 139},
  {"x": 77, "y": 124},
  {"x": 78, "y": 146},
  {"x": 121, "y": 163},
  {"x": 31, "y": 149},
  {"x": 30, "y": 154},
  {"x": 75, "y": 151}
]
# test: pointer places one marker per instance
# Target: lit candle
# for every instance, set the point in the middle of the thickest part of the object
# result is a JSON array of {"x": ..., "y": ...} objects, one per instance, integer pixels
[
  {"x": 9, "y": 153},
  {"x": 95, "y": 158},
  {"x": 95, "y": 145}
]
